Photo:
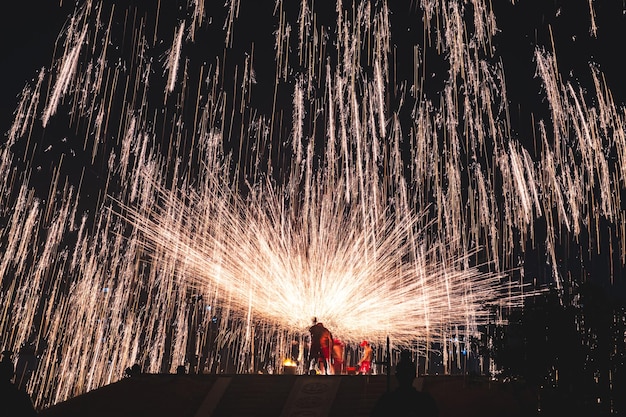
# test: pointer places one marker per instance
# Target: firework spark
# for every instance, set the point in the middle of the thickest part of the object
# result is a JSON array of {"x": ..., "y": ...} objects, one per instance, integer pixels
[{"x": 218, "y": 225}]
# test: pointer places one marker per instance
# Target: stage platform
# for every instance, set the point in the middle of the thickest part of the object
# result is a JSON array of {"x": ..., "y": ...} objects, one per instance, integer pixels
[{"x": 248, "y": 395}]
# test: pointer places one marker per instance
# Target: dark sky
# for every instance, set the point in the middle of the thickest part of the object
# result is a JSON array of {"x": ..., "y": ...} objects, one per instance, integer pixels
[{"x": 28, "y": 34}]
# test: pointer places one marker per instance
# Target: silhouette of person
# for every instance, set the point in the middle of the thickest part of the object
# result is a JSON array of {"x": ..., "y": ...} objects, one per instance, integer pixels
[
  {"x": 26, "y": 364},
  {"x": 294, "y": 353},
  {"x": 13, "y": 401},
  {"x": 338, "y": 356},
  {"x": 321, "y": 345},
  {"x": 405, "y": 400},
  {"x": 365, "y": 363},
  {"x": 134, "y": 370}
]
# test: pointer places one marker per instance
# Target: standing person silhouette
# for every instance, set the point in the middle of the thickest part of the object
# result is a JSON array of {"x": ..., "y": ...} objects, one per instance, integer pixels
[
  {"x": 365, "y": 364},
  {"x": 338, "y": 357},
  {"x": 13, "y": 401},
  {"x": 321, "y": 346},
  {"x": 405, "y": 400}
]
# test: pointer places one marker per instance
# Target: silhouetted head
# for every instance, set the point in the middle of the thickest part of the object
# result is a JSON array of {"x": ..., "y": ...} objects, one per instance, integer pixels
[
  {"x": 405, "y": 356},
  {"x": 7, "y": 369},
  {"x": 406, "y": 372},
  {"x": 6, "y": 355}
]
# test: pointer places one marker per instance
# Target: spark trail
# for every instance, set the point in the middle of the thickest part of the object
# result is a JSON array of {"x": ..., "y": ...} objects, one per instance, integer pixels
[{"x": 208, "y": 215}]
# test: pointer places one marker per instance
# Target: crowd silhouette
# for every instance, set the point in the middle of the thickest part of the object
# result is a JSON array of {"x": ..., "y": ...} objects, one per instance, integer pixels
[
  {"x": 405, "y": 400},
  {"x": 14, "y": 401}
]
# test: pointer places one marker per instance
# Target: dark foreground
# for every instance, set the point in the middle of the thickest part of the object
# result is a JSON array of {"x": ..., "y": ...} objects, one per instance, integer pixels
[{"x": 287, "y": 396}]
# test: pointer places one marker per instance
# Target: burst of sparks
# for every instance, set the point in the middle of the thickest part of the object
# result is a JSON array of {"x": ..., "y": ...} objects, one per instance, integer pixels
[{"x": 333, "y": 208}]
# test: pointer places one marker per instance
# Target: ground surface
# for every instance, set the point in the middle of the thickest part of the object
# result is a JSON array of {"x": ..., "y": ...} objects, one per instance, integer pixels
[{"x": 286, "y": 395}]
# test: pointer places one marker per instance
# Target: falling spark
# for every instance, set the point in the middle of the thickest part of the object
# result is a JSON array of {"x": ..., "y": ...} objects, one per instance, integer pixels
[
  {"x": 174, "y": 58},
  {"x": 65, "y": 73},
  {"x": 220, "y": 229}
]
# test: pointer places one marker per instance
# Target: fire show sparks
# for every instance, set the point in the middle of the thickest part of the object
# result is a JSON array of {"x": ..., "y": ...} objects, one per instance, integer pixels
[{"x": 186, "y": 183}]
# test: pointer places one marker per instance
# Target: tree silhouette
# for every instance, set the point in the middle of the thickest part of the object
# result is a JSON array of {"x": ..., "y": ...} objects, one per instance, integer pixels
[{"x": 573, "y": 354}]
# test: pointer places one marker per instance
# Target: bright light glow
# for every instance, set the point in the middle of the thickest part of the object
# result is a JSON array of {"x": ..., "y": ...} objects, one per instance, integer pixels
[{"x": 196, "y": 224}]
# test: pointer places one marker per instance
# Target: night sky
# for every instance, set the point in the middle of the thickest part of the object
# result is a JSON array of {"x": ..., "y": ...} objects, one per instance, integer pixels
[{"x": 28, "y": 36}]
